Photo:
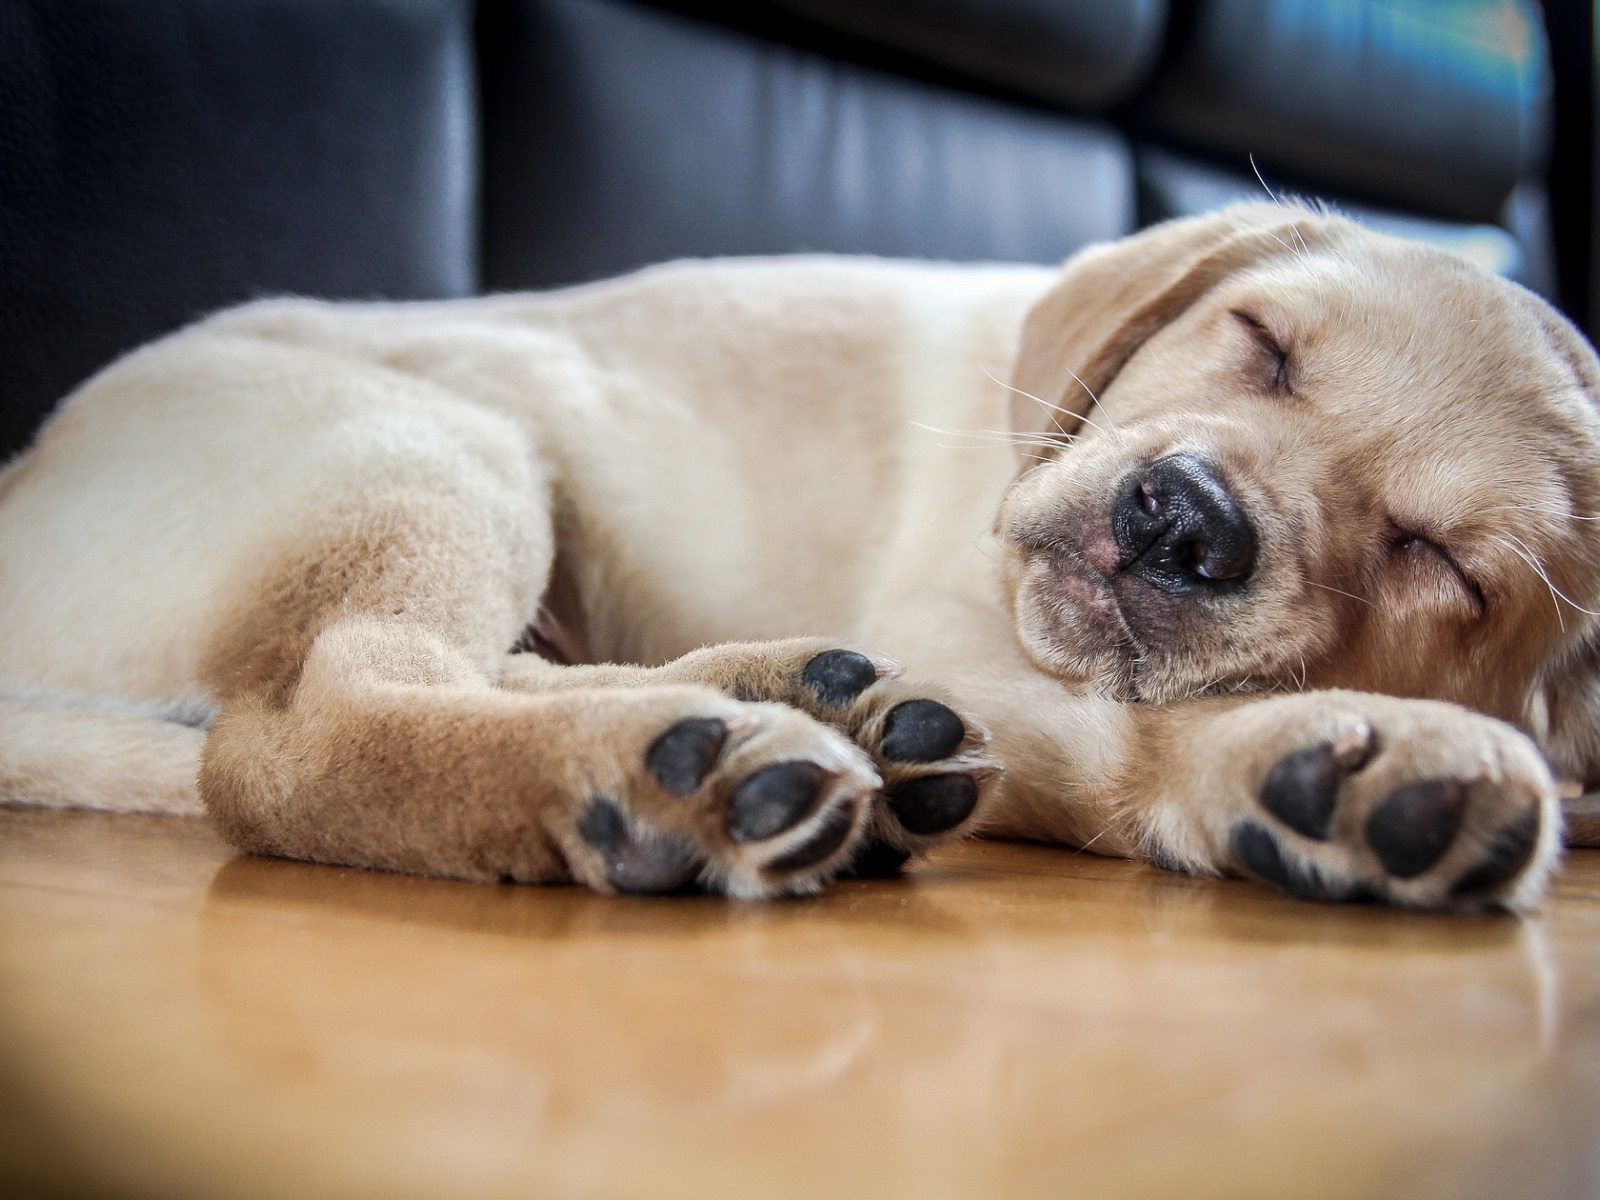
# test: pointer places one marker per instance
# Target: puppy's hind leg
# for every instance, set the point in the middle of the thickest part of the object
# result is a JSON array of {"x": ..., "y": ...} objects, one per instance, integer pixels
[
  {"x": 359, "y": 725},
  {"x": 936, "y": 774}
]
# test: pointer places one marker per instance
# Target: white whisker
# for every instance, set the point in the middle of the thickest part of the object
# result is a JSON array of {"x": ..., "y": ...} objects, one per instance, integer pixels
[
  {"x": 1520, "y": 548},
  {"x": 1304, "y": 251},
  {"x": 1093, "y": 398},
  {"x": 1094, "y": 839},
  {"x": 995, "y": 437},
  {"x": 1056, "y": 408},
  {"x": 1262, "y": 180},
  {"x": 1538, "y": 508}
]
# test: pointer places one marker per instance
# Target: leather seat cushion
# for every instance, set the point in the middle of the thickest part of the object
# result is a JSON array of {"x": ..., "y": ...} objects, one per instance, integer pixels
[
  {"x": 619, "y": 135},
  {"x": 1432, "y": 104}
]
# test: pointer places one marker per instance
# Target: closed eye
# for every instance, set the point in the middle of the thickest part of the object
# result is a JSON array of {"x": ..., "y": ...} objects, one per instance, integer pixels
[
  {"x": 1409, "y": 544},
  {"x": 1271, "y": 364}
]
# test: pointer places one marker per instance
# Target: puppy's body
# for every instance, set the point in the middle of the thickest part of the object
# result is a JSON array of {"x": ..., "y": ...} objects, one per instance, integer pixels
[
  {"x": 324, "y": 527},
  {"x": 640, "y": 458},
  {"x": 734, "y": 451}
]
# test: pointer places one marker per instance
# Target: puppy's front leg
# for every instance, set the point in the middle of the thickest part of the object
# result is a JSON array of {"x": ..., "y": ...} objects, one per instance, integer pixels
[
  {"x": 1329, "y": 795},
  {"x": 1338, "y": 795}
]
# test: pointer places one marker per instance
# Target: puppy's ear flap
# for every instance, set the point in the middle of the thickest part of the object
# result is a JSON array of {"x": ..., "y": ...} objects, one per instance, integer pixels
[
  {"x": 1565, "y": 715},
  {"x": 1111, "y": 298},
  {"x": 1566, "y": 724}
]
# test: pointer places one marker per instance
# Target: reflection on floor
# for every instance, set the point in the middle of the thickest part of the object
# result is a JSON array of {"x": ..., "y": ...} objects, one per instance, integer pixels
[{"x": 1007, "y": 1020}]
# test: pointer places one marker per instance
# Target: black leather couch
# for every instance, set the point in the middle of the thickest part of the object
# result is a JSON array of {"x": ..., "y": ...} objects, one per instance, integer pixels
[{"x": 163, "y": 158}]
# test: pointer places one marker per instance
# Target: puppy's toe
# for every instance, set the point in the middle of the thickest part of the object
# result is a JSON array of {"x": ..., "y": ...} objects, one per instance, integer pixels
[
  {"x": 637, "y": 859},
  {"x": 921, "y": 731},
  {"x": 683, "y": 756},
  {"x": 773, "y": 799},
  {"x": 934, "y": 804},
  {"x": 1303, "y": 788},
  {"x": 1506, "y": 856},
  {"x": 821, "y": 843},
  {"x": 1415, "y": 824},
  {"x": 1260, "y": 853},
  {"x": 836, "y": 677}
]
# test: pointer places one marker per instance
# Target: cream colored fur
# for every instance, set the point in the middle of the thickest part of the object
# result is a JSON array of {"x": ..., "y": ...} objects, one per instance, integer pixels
[{"x": 703, "y": 453}]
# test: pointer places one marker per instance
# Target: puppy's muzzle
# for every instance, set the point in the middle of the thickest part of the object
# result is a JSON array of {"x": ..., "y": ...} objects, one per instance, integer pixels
[{"x": 1178, "y": 528}]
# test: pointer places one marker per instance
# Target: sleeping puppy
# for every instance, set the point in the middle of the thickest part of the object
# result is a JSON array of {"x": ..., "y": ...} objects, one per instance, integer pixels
[{"x": 1276, "y": 555}]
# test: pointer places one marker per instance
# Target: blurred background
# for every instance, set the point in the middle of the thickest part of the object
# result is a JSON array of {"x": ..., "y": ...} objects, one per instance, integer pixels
[{"x": 162, "y": 158}]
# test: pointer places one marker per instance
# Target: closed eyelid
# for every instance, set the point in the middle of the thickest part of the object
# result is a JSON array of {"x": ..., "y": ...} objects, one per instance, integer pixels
[
  {"x": 1269, "y": 343},
  {"x": 1402, "y": 535},
  {"x": 1256, "y": 327}
]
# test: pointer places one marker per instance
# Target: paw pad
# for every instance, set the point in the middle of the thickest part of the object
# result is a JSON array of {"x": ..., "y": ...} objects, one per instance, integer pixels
[
  {"x": 635, "y": 860},
  {"x": 878, "y": 860},
  {"x": 837, "y": 677},
  {"x": 1414, "y": 826},
  {"x": 921, "y": 731},
  {"x": 1508, "y": 854},
  {"x": 1257, "y": 851},
  {"x": 934, "y": 803},
  {"x": 830, "y": 835},
  {"x": 1303, "y": 789},
  {"x": 682, "y": 756},
  {"x": 774, "y": 799}
]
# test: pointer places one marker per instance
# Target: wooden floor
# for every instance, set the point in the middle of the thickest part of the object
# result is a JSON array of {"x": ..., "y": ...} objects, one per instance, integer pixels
[{"x": 176, "y": 1021}]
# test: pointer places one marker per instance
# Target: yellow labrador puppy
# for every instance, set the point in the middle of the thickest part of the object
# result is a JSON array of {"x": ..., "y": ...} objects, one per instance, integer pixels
[{"x": 1295, "y": 575}]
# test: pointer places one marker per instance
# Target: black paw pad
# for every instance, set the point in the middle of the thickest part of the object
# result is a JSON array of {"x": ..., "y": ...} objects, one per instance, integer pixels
[
  {"x": 839, "y": 676},
  {"x": 1301, "y": 790},
  {"x": 774, "y": 799},
  {"x": 1257, "y": 851},
  {"x": 682, "y": 756},
  {"x": 1414, "y": 826},
  {"x": 921, "y": 731},
  {"x": 934, "y": 803},
  {"x": 830, "y": 835},
  {"x": 878, "y": 860},
  {"x": 1508, "y": 854},
  {"x": 637, "y": 861}
]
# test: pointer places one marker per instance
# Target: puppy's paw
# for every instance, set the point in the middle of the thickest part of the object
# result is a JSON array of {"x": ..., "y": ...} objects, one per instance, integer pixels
[
  {"x": 1345, "y": 796},
  {"x": 930, "y": 756},
  {"x": 753, "y": 800}
]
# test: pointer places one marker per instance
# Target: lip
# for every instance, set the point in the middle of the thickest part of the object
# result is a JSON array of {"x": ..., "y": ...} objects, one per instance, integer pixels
[{"x": 1083, "y": 615}]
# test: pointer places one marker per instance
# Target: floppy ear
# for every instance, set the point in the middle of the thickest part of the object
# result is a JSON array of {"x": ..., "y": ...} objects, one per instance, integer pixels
[
  {"x": 1566, "y": 724},
  {"x": 1111, "y": 298},
  {"x": 1566, "y": 714}
]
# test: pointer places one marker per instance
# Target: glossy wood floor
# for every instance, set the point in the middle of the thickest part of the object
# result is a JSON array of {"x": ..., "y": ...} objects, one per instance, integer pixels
[{"x": 176, "y": 1021}]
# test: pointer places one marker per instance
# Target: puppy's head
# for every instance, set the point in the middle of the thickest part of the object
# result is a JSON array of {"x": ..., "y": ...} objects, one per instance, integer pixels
[{"x": 1298, "y": 454}]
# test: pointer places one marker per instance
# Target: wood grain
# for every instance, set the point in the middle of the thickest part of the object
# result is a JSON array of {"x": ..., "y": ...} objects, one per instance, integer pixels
[{"x": 1009, "y": 1020}]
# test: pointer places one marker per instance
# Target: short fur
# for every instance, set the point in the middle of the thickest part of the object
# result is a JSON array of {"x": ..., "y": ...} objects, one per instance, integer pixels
[{"x": 323, "y": 530}]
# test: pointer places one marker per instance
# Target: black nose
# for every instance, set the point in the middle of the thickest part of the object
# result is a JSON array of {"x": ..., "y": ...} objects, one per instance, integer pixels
[{"x": 1178, "y": 529}]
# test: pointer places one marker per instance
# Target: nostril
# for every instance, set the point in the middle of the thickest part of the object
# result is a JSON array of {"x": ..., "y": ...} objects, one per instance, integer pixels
[
  {"x": 1203, "y": 559},
  {"x": 1140, "y": 516},
  {"x": 1180, "y": 529}
]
